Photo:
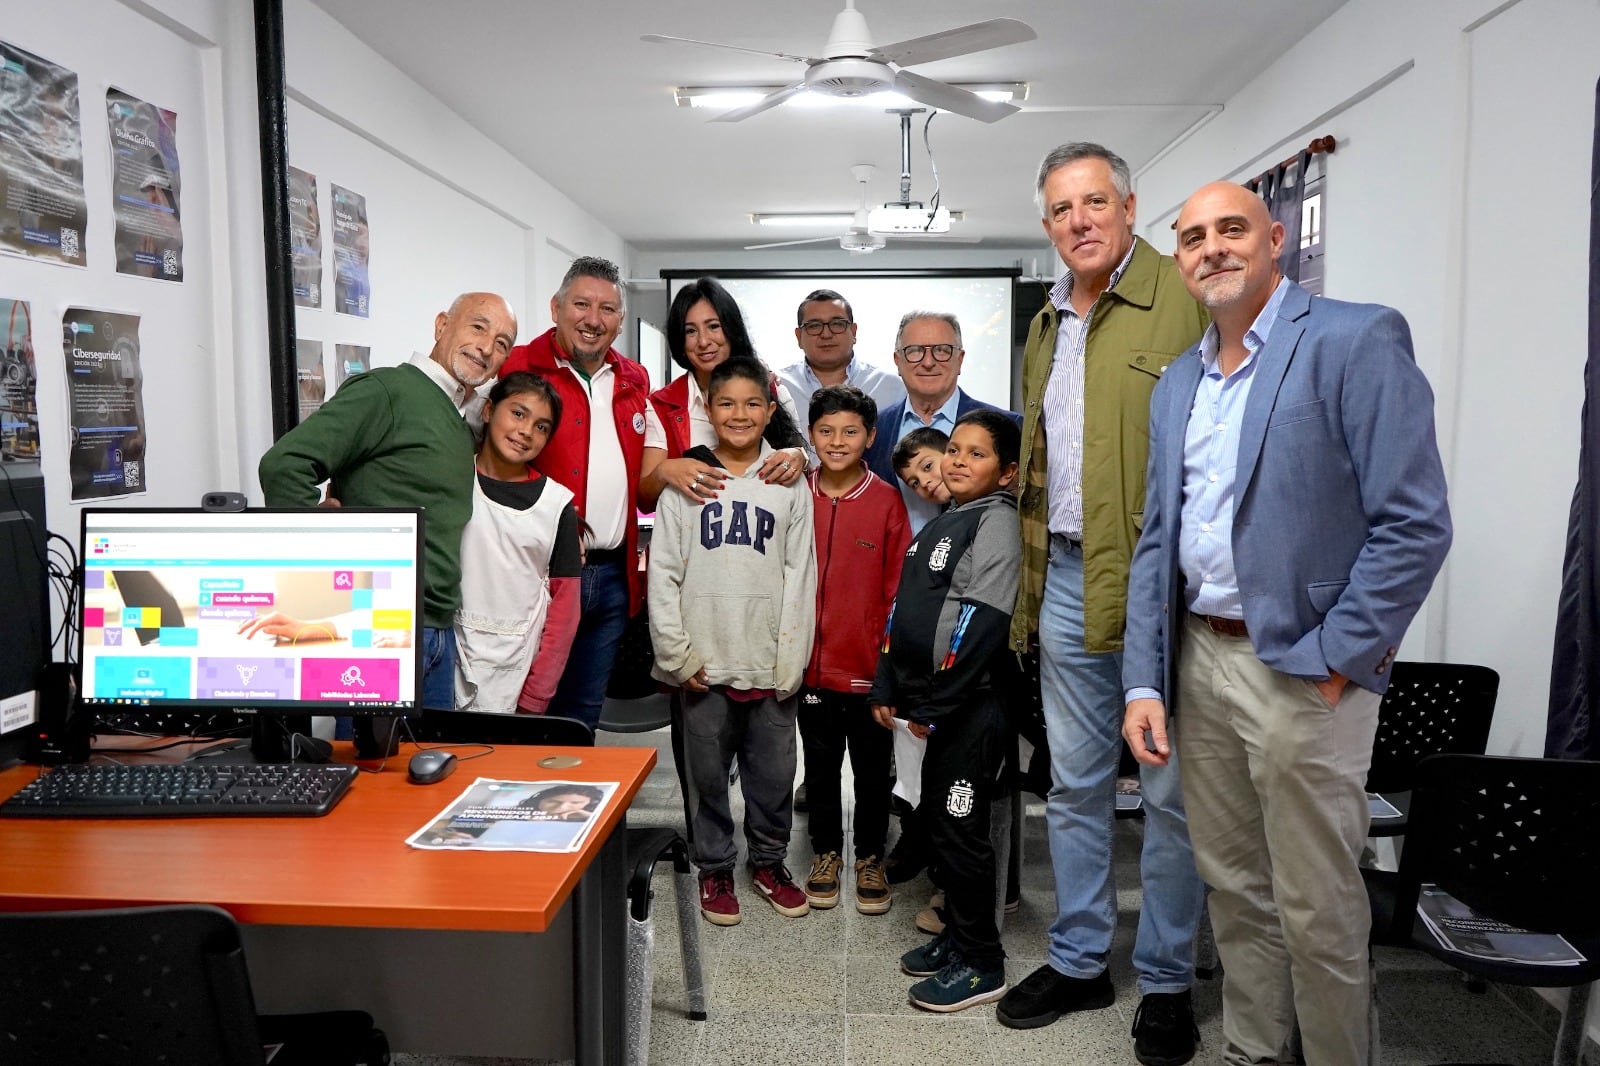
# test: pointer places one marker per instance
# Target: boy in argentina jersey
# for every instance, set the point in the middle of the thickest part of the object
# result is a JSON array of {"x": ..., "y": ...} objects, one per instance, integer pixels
[{"x": 950, "y": 619}]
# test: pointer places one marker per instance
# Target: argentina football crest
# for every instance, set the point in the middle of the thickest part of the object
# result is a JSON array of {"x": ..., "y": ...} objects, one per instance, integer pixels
[
  {"x": 959, "y": 800},
  {"x": 940, "y": 555}
]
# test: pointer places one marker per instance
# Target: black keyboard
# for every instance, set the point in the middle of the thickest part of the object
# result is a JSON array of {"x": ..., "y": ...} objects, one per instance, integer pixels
[{"x": 182, "y": 790}]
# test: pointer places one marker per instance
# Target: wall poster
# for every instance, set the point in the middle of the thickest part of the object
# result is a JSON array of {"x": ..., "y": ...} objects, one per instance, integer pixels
[
  {"x": 105, "y": 390},
  {"x": 19, "y": 408},
  {"x": 305, "y": 238},
  {"x": 350, "y": 360},
  {"x": 309, "y": 372},
  {"x": 145, "y": 187},
  {"x": 352, "y": 291},
  {"x": 43, "y": 212}
]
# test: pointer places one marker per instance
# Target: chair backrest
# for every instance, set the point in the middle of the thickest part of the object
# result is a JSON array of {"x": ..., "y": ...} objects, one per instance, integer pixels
[
  {"x": 1514, "y": 839},
  {"x": 478, "y": 727},
  {"x": 1430, "y": 708},
  {"x": 136, "y": 984},
  {"x": 640, "y": 715}
]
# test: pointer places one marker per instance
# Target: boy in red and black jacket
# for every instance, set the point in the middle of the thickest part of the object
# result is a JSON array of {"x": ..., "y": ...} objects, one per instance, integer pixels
[{"x": 862, "y": 533}]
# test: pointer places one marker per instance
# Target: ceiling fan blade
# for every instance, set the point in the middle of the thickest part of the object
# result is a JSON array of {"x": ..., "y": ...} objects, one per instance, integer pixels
[
  {"x": 787, "y": 244},
  {"x": 949, "y": 98},
  {"x": 656, "y": 38},
  {"x": 961, "y": 41},
  {"x": 770, "y": 100}
]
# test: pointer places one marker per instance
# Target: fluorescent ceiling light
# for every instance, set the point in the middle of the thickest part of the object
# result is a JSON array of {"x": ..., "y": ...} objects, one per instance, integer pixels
[
  {"x": 798, "y": 219},
  {"x": 729, "y": 97}
]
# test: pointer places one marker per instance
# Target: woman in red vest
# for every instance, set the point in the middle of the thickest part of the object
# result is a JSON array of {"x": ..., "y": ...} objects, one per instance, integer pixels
[{"x": 705, "y": 327}]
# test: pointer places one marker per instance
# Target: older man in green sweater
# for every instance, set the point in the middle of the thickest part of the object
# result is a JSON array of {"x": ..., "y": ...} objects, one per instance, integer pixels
[{"x": 395, "y": 437}]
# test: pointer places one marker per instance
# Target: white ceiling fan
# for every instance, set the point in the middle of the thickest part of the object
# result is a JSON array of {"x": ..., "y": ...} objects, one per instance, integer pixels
[
  {"x": 851, "y": 65},
  {"x": 861, "y": 238}
]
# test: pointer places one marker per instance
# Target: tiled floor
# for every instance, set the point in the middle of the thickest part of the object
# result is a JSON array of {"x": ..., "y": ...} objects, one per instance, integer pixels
[{"x": 825, "y": 990}]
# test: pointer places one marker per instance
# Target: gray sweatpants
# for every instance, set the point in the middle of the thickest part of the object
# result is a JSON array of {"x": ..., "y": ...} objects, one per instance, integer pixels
[{"x": 762, "y": 734}]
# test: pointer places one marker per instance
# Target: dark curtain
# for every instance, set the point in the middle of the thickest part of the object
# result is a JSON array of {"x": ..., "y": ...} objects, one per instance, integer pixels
[
  {"x": 1575, "y": 667},
  {"x": 1283, "y": 188}
]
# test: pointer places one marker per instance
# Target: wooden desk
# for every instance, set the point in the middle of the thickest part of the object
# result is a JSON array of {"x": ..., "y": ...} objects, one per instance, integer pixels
[{"x": 353, "y": 869}]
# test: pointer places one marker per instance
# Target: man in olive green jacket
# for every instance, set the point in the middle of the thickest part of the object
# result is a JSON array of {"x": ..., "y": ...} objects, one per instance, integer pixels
[{"x": 1117, "y": 317}]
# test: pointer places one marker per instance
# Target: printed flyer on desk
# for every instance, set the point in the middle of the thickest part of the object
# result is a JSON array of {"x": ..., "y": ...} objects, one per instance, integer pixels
[{"x": 517, "y": 816}]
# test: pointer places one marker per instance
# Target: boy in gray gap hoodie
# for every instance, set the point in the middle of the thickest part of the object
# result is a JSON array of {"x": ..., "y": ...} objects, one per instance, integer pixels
[{"x": 732, "y": 596}]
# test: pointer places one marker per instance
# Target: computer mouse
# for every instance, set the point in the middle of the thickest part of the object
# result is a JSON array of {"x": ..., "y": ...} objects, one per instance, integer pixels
[{"x": 430, "y": 765}]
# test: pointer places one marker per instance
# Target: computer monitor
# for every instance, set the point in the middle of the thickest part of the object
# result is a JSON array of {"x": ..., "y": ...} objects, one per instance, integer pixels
[{"x": 277, "y": 613}]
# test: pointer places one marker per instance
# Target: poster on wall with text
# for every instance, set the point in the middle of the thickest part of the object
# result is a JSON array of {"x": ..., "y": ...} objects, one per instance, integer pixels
[
  {"x": 352, "y": 290},
  {"x": 308, "y": 371},
  {"x": 105, "y": 389},
  {"x": 43, "y": 212},
  {"x": 19, "y": 406},
  {"x": 145, "y": 187},
  {"x": 305, "y": 238},
  {"x": 350, "y": 360}
]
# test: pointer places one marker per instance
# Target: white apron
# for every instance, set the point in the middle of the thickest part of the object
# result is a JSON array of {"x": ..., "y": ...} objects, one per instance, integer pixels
[{"x": 505, "y": 593}]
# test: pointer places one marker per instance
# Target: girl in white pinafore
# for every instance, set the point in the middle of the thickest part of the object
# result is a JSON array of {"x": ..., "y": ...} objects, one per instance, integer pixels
[{"x": 521, "y": 562}]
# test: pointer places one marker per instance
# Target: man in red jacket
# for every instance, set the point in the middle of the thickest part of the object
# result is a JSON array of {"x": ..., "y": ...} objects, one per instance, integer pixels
[{"x": 595, "y": 452}]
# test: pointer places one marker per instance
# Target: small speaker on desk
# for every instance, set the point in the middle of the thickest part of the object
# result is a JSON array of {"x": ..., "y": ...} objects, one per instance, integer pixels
[{"x": 61, "y": 735}]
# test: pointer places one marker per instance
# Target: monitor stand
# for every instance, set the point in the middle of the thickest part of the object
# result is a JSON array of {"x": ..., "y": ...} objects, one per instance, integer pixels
[{"x": 286, "y": 738}]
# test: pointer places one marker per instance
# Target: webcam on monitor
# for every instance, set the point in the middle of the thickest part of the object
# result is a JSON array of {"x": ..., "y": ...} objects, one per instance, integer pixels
[{"x": 223, "y": 501}]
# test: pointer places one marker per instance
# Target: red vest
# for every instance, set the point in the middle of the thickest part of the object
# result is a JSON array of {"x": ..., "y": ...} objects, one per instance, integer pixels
[
  {"x": 671, "y": 402},
  {"x": 566, "y": 456}
]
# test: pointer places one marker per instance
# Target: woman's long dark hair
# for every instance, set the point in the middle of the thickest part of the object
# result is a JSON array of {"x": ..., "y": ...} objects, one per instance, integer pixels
[{"x": 781, "y": 432}]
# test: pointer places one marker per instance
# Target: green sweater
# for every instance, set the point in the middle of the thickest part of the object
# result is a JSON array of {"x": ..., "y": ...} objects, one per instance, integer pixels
[{"x": 388, "y": 438}]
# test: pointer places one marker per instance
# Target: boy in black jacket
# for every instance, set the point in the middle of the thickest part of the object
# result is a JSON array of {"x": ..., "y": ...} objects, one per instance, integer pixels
[{"x": 950, "y": 619}]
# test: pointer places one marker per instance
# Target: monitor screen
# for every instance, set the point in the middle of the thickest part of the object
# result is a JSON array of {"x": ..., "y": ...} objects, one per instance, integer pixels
[{"x": 314, "y": 611}]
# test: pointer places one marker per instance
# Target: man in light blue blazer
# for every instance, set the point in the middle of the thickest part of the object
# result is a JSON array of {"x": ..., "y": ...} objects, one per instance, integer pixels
[{"x": 1294, "y": 521}]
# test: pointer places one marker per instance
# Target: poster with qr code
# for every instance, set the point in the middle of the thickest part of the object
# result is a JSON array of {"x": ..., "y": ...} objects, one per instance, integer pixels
[
  {"x": 43, "y": 213},
  {"x": 105, "y": 388},
  {"x": 352, "y": 285},
  {"x": 19, "y": 382},
  {"x": 305, "y": 238},
  {"x": 145, "y": 187}
]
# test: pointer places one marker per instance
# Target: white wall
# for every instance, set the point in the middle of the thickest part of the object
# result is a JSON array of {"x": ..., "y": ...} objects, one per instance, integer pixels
[
  {"x": 449, "y": 211},
  {"x": 180, "y": 336},
  {"x": 1459, "y": 194}
]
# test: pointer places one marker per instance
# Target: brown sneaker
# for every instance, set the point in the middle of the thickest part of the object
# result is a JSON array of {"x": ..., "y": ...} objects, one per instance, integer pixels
[
  {"x": 872, "y": 887},
  {"x": 930, "y": 919},
  {"x": 822, "y": 883}
]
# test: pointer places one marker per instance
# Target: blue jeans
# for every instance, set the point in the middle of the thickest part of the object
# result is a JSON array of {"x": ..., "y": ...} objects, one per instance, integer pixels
[
  {"x": 436, "y": 692},
  {"x": 603, "y": 615},
  {"x": 1083, "y": 705},
  {"x": 439, "y": 669}
]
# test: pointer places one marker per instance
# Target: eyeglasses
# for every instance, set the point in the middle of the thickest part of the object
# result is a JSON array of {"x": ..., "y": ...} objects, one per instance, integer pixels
[
  {"x": 915, "y": 353},
  {"x": 834, "y": 325}
]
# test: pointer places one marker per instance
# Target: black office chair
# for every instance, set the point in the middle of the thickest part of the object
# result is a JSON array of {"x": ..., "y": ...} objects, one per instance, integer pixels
[
  {"x": 481, "y": 727},
  {"x": 153, "y": 984},
  {"x": 1514, "y": 840},
  {"x": 1430, "y": 708},
  {"x": 647, "y": 846}
]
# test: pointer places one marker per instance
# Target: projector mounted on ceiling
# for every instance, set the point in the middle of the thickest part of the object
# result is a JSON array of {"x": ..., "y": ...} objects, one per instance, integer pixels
[{"x": 851, "y": 65}]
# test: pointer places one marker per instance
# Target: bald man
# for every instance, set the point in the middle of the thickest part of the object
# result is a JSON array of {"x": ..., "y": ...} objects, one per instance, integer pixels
[
  {"x": 1294, "y": 521},
  {"x": 394, "y": 437}
]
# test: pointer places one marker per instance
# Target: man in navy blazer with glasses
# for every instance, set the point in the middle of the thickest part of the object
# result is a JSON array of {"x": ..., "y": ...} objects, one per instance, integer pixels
[{"x": 1294, "y": 520}]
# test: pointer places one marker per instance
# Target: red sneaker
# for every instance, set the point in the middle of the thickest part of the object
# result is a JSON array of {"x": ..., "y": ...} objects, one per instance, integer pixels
[
  {"x": 778, "y": 886},
  {"x": 718, "y": 904}
]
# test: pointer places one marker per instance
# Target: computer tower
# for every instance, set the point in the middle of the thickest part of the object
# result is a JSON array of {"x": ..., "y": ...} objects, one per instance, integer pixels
[{"x": 24, "y": 598}]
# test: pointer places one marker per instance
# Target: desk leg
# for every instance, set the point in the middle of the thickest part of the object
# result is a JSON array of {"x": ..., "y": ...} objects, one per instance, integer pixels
[{"x": 599, "y": 955}]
